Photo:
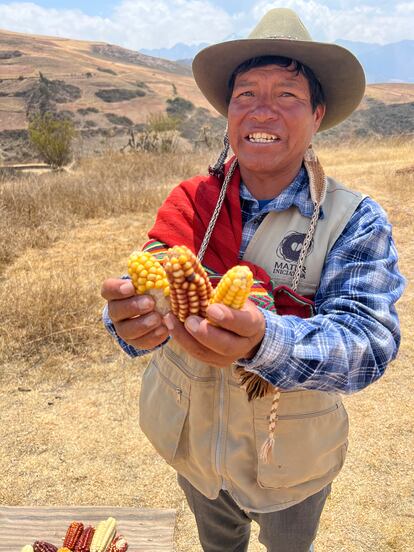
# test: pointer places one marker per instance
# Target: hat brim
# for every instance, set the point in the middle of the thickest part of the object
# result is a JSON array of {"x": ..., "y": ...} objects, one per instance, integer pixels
[{"x": 337, "y": 69}]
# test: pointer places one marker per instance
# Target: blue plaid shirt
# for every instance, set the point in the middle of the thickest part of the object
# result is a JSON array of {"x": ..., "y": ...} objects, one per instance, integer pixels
[{"x": 355, "y": 332}]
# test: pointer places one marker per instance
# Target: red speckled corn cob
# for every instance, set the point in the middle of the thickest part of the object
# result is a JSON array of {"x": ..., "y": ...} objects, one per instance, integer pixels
[
  {"x": 84, "y": 542},
  {"x": 190, "y": 287},
  {"x": 43, "y": 546},
  {"x": 119, "y": 544},
  {"x": 73, "y": 533}
]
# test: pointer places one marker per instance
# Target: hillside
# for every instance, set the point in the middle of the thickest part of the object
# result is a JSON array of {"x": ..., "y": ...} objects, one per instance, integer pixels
[
  {"x": 386, "y": 110},
  {"x": 90, "y": 67},
  {"x": 107, "y": 90},
  {"x": 103, "y": 88}
]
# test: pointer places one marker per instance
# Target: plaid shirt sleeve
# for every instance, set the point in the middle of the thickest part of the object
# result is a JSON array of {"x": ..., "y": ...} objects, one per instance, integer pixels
[{"x": 355, "y": 332}]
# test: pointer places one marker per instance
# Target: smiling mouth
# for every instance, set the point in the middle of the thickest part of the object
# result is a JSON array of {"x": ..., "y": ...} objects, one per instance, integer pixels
[{"x": 262, "y": 138}]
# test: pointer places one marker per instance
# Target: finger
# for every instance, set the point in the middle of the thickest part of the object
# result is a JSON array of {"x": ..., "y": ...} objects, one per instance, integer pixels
[
  {"x": 198, "y": 350},
  {"x": 122, "y": 309},
  {"x": 246, "y": 322},
  {"x": 117, "y": 288},
  {"x": 217, "y": 339},
  {"x": 193, "y": 346},
  {"x": 135, "y": 328},
  {"x": 151, "y": 339}
]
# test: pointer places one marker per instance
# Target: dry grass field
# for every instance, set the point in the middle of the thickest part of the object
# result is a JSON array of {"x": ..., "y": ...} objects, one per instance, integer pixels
[{"x": 68, "y": 397}]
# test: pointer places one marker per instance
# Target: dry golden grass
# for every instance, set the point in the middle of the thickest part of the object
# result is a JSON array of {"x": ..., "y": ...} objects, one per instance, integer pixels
[
  {"x": 69, "y": 429},
  {"x": 34, "y": 210}
]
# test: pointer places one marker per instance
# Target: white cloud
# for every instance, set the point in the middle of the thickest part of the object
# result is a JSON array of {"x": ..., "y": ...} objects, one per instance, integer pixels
[
  {"x": 30, "y": 18},
  {"x": 362, "y": 22},
  {"x": 162, "y": 23},
  {"x": 133, "y": 23}
]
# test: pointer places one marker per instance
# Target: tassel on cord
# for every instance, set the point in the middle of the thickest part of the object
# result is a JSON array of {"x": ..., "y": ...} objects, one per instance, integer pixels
[
  {"x": 266, "y": 450},
  {"x": 317, "y": 178},
  {"x": 255, "y": 386},
  {"x": 218, "y": 169}
]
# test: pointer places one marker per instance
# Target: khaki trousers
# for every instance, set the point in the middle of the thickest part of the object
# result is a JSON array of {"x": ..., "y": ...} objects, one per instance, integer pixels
[{"x": 224, "y": 527}]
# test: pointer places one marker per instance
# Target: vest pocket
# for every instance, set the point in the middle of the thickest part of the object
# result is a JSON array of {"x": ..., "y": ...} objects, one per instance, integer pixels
[
  {"x": 163, "y": 409},
  {"x": 307, "y": 446}
]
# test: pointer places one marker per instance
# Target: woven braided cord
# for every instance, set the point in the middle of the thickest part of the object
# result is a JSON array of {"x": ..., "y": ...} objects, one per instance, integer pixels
[
  {"x": 217, "y": 210},
  {"x": 317, "y": 184},
  {"x": 218, "y": 168},
  {"x": 305, "y": 246}
]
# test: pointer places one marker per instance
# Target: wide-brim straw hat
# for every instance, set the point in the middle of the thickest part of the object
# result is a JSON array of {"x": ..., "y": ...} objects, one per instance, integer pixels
[{"x": 281, "y": 33}]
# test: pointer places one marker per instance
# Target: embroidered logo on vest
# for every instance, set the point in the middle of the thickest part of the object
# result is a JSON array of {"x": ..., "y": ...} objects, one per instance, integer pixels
[{"x": 289, "y": 250}]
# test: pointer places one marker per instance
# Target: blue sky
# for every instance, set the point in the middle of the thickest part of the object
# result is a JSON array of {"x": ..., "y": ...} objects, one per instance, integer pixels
[{"x": 162, "y": 23}]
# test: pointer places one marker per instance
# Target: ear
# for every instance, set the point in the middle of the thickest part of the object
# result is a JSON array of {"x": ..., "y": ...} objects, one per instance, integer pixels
[{"x": 318, "y": 116}]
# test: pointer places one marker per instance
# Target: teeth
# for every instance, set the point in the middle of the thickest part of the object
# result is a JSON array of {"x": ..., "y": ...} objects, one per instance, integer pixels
[{"x": 262, "y": 137}]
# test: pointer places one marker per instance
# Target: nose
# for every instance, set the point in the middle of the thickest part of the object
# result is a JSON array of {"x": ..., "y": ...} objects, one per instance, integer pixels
[{"x": 265, "y": 109}]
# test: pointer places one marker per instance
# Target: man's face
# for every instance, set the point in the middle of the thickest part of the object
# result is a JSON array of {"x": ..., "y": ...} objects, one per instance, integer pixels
[{"x": 270, "y": 120}]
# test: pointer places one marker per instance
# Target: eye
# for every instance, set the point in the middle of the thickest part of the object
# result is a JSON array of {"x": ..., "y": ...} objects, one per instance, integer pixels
[
  {"x": 245, "y": 93},
  {"x": 287, "y": 95}
]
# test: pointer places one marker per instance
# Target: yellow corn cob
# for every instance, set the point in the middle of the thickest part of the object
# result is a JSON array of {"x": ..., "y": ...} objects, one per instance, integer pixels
[
  {"x": 27, "y": 548},
  {"x": 190, "y": 288},
  {"x": 234, "y": 287},
  {"x": 64, "y": 549},
  {"x": 105, "y": 532},
  {"x": 148, "y": 277}
]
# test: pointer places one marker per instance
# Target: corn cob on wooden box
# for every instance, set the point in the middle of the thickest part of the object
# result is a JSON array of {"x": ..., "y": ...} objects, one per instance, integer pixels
[{"x": 145, "y": 530}]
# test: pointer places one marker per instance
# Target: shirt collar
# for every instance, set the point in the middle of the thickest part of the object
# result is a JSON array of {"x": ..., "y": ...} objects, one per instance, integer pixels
[{"x": 297, "y": 194}]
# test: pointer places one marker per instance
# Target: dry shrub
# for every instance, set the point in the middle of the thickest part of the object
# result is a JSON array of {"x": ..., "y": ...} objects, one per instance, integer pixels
[
  {"x": 160, "y": 142},
  {"x": 161, "y": 122},
  {"x": 52, "y": 138}
]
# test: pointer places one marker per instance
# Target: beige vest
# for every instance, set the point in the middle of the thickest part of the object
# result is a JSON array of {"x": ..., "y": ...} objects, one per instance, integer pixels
[{"x": 201, "y": 422}]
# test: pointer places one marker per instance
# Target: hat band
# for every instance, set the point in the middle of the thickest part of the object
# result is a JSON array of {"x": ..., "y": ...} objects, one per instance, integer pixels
[{"x": 289, "y": 37}]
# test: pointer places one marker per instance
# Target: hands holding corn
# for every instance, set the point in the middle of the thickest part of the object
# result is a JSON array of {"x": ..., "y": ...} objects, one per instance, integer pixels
[{"x": 212, "y": 325}]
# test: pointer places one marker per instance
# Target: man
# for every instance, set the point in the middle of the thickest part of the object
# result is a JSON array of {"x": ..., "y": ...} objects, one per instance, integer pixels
[{"x": 323, "y": 322}]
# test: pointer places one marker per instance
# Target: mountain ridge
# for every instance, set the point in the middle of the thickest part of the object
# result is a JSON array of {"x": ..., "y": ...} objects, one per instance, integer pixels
[{"x": 391, "y": 62}]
